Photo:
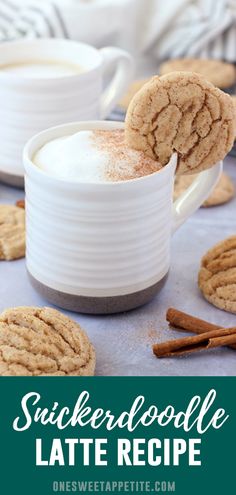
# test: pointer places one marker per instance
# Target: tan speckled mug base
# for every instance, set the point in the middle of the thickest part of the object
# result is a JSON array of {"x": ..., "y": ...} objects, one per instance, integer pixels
[
  {"x": 12, "y": 180},
  {"x": 98, "y": 305}
]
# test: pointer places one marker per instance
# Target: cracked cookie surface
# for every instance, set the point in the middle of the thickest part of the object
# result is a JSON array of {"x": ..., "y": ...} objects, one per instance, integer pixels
[
  {"x": 221, "y": 74},
  {"x": 12, "y": 232},
  {"x": 184, "y": 113},
  {"x": 43, "y": 341},
  {"x": 217, "y": 275},
  {"x": 222, "y": 193},
  {"x": 234, "y": 103}
]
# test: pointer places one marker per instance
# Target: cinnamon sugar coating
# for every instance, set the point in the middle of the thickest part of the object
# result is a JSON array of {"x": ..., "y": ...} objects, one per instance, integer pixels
[
  {"x": 181, "y": 112},
  {"x": 43, "y": 341},
  {"x": 217, "y": 275},
  {"x": 221, "y": 74},
  {"x": 12, "y": 232}
]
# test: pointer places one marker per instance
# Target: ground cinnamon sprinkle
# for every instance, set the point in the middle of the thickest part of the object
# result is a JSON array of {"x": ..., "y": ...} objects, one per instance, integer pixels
[
  {"x": 124, "y": 162},
  {"x": 152, "y": 333}
]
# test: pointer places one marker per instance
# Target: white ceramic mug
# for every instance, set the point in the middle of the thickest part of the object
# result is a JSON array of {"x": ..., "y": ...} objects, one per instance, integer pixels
[
  {"x": 103, "y": 247},
  {"x": 31, "y": 104}
]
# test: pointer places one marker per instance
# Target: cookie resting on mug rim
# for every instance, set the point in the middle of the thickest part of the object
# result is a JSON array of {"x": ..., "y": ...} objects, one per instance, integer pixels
[{"x": 181, "y": 112}]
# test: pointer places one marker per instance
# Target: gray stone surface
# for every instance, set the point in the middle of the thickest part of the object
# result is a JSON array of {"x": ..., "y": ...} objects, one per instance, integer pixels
[{"x": 123, "y": 342}]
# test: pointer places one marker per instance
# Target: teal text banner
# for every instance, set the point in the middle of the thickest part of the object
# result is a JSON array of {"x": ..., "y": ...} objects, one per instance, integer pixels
[{"x": 117, "y": 435}]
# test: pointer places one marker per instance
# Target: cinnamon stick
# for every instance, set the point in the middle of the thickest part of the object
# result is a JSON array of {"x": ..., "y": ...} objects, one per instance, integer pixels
[
  {"x": 20, "y": 203},
  {"x": 188, "y": 345},
  {"x": 183, "y": 321}
]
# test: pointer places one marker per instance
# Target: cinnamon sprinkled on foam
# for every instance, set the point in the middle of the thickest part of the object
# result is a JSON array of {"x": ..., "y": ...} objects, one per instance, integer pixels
[{"x": 124, "y": 162}]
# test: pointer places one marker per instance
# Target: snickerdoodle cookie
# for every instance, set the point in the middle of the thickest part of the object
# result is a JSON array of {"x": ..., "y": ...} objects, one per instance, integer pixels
[
  {"x": 181, "y": 112},
  {"x": 222, "y": 193},
  {"x": 217, "y": 275},
  {"x": 221, "y": 74},
  {"x": 12, "y": 232},
  {"x": 43, "y": 341}
]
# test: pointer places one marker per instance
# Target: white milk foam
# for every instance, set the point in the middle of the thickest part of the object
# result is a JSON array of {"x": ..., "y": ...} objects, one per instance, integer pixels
[
  {"x": 89, "y": 156},
  {"x": 42, "y": 69},
  {"x": 72, "y": 157}
]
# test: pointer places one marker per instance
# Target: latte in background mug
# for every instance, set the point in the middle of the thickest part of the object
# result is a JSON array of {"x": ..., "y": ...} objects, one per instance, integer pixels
[
  {"x": 99, "y": 217},
  {"x": 47, "y": 82}
]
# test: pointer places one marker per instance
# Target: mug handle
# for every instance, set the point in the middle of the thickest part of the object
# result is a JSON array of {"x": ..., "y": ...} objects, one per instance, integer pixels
[
  {"x": 195, "y": 195},
  {"x": 124, "y": 68}
]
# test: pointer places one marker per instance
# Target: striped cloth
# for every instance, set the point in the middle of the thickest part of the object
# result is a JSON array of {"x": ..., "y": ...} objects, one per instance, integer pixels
[
  {"x": 201, "y": 28},
  {"x": 165, "y": 29},
  {"x": 31, "y": 21}
]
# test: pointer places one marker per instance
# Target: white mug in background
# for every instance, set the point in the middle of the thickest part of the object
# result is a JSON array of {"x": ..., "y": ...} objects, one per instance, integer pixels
[
  {"x": 102, "y": 247},
  {"x": 30, "y": 104}
]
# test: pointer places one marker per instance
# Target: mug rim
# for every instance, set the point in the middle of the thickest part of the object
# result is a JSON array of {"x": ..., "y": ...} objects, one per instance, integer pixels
[
  {"x": 8, "y": 76},
  {"x": 30, "y": 167}
]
